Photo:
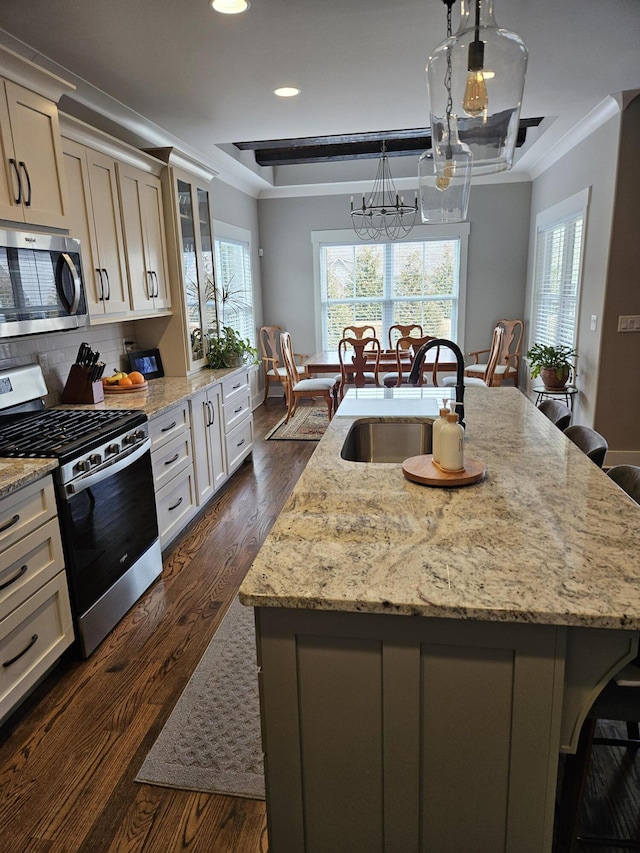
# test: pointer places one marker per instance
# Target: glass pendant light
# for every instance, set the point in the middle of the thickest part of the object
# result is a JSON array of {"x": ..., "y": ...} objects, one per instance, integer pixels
[
  {"x": 444, "y": 173},
  {"x": 488, "y": 67}
]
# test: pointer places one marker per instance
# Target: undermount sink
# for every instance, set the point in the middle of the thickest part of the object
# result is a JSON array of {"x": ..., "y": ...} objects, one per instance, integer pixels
[{"x": 386, "y": 441}]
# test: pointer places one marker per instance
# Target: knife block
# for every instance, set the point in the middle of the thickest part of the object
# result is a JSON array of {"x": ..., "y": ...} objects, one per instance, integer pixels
[{"x": 80, "y": 389}]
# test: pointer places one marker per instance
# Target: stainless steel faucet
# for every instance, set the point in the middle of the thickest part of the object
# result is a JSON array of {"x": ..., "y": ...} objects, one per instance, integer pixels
[{"x": 417, "y": 367}]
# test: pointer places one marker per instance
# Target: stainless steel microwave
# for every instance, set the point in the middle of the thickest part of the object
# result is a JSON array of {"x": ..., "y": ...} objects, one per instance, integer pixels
[{"x": 41, "y": 284}]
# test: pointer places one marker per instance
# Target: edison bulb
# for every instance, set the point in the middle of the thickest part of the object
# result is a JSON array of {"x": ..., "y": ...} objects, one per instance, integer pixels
[
  {"x": 443, "y": 179},
  {"x": 475, "y": 100}
]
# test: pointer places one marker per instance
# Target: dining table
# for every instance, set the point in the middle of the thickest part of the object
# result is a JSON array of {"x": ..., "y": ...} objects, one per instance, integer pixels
[{"x": 328, "y": 361}]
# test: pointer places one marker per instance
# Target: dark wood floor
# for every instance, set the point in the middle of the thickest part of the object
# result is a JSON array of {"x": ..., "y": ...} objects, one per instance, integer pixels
[{"x": 69, "y": 755}]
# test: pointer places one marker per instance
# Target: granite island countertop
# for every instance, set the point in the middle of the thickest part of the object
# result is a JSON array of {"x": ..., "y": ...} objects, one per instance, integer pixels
[{"x": 545, "y": 538}]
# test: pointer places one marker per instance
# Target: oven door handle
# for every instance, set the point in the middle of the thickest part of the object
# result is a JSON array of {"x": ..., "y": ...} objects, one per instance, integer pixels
[{"x": 84, "y": 483}]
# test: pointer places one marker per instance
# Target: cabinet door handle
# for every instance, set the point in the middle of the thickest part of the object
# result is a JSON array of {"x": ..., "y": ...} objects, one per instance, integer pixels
[
  {"x": 176, "y": 505},
  {"x": 240, "y": 443},
  {"x": 106, "y": 275},
  {"x": 30, "y": 644},
  {"x": 239, "y": 409},
  {"x": 212, "y": 414},
  {"x": 150, "y": 293},
  {"x": 173, "y": 459},
  {"x": 27, "y": 201},
  {"x": 167, "y": 428},
  {"x": 19, "y": 182},
  {"x": 14, "y": 520},
  {"x": 16, "y": 577},
  {"x": 156, "y": 290},
  {"x": 235, "y": 387},
  {"x": 101, "y": 297}
]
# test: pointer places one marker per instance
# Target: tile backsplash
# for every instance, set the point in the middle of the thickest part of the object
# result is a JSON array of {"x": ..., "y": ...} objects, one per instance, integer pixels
[{"x": 56, "y": 352}]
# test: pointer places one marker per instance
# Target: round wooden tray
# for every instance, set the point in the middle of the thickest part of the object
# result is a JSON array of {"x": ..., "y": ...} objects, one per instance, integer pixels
[
  {"x": 423, "y": 470},
  {"x": 125, "y": 389}
]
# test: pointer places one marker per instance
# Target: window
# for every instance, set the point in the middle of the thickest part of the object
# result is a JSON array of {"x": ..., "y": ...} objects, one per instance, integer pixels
[
  {"x": 417, "y": 280},
  {"x": 234, "y": 283},
  {"x": 557, "y": 272}
]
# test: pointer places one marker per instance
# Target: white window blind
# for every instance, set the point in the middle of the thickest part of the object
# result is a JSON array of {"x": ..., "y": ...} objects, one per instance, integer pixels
[
  {"x": 234, "y": 285},
  {"x": 380, "y": 284}
]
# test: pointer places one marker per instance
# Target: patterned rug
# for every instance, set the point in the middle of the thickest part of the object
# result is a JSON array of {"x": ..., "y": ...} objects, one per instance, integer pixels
[
  {"x": 211, "y": 742},
  {"x": 308, "y": 424}
]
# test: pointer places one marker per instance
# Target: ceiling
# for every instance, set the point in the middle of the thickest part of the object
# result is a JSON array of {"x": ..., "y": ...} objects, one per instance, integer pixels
[{"x": 186, "y": 73}]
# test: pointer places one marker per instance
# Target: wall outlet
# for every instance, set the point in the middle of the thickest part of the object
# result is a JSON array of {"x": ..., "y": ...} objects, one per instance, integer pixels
[
  {"x": 629, "y": 323},
  {"x": 594, "y": 322}
]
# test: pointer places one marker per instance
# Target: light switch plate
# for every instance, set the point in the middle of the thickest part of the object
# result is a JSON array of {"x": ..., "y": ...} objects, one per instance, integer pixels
[
  {"x": 594, "y": 322},
  {"x": 629, "y": 323}
]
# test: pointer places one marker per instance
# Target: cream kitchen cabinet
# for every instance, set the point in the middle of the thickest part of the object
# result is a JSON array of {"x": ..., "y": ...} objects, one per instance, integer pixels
[
  {"x": 32, "y": 179},
  {"x": 238, "y": 419},
  {"x": 95, "y": 220},
  {"x": 144, "y": 234},
  {"x": 174, "y": 478},
  {"x": 209, "y": 441},
  {"x": 35, "y": 616}
]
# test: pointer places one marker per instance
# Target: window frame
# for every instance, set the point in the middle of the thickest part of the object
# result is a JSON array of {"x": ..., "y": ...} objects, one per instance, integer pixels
[
  {"x": 454, "y": 231},
  {"x": 563, "y": 213},
  {"x": 225, "y": 232}
]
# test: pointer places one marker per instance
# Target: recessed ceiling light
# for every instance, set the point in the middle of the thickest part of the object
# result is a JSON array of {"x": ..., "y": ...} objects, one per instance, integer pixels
[
  {"x": 286, "y": 92},
  {"x": 230, "y": 7}
]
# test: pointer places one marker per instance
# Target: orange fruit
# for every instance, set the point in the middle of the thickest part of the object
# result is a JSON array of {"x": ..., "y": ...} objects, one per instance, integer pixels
[
  {"x": 125, "y": 381},
  {"x": 136, "y": 378}
]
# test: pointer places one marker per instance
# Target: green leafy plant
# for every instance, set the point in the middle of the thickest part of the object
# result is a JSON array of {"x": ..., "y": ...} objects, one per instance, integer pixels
[
  {"x": 229, "y": 349},
  {"x": 559, "y": 358}
]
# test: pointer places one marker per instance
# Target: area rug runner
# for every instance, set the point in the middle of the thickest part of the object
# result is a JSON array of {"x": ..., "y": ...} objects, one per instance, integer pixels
[
  {"x": 211, "y": 741},
  {"x": 308, "y": 424}
]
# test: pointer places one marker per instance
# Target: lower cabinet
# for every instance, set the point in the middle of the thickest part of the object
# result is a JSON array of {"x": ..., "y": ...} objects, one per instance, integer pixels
[
  {"x": 172, "y": 460},
  {"x": 35, "y": 616},
  {"x": 207, "y": 430},
  {"x": 238, "y": 420}
]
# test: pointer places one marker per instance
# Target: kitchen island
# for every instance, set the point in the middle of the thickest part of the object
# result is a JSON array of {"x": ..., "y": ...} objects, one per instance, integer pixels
[{"x": 427, "y": 653}]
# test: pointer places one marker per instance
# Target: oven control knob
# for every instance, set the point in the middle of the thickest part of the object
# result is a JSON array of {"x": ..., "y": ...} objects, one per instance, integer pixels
[
  {"x": 130, "y": 438},
  {"x": 112, "y": 450},
  {"x": 95, "y": 459},
  {"x": 82, "y": 465}
]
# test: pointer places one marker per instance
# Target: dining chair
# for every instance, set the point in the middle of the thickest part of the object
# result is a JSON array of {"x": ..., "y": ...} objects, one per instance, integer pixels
[
  {"x": 557, "y": 412},
  {"x": 269, "y": 337},
  {"x": 619, "y": 701},
  {"x": 487, "y": 379},
  {"x": 589, "y": 441},
  {"x": 359, "y": 362},
  {"x": 508, "y": 364},
  {"x": 296, "y": 388},
  {"x": 359, "y": 332},
  {"x": 397, "y": 330},
  {"x": 405, "y": 351}
]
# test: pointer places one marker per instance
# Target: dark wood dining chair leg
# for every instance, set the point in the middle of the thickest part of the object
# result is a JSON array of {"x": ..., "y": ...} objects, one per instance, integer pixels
[{"x": 573, "y": 786}]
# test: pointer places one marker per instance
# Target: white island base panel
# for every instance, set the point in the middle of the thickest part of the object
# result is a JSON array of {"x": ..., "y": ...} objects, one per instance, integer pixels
[{"x": 391, "y": 734}]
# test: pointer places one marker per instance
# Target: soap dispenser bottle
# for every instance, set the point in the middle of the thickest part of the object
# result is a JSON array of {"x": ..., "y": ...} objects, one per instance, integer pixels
[
  {"x": 452, "y": 444},
  {"x": 439, "y": 422}
]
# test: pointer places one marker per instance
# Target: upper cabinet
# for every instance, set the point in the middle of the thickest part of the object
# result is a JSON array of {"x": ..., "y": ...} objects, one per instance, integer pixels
[
  {"x": 95, "y": 221},
  {"x": 32, "y": 179},
  {"x": 143, "y": 219}
]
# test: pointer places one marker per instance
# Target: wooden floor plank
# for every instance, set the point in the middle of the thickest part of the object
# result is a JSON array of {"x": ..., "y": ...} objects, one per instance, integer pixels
[{"x": 70, "y": 754}]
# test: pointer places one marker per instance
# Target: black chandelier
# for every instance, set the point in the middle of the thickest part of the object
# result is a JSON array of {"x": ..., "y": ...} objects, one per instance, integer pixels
[{"x": 385, "y": 215}]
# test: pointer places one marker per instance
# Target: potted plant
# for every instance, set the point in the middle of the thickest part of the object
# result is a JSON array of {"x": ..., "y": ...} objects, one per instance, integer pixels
[
  {"x": 552, "y": 364},
  {"x": 229, "y": 349}
]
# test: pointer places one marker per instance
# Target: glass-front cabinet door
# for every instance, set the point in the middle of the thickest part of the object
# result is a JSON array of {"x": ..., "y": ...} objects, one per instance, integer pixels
[{"x": 197, "y": 267}]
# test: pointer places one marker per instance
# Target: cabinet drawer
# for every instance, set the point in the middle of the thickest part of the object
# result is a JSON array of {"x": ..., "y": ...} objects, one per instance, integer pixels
[
  {"x": 166, "y": 426},
  {"x": 236, "y": 410},
  {"x": 24, "y": 510},
  {"x": 176, "y": 503},
  {"x": 239, "y": 443},
  {"x": 32, "y": 638},
  {"x": 170, "y": 459},
  {"x": 235, "y": 384},
  {"x": 28, "y": 565}
]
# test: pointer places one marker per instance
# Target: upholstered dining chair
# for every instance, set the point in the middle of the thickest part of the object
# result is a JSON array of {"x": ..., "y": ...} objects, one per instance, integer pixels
[
  {"x": 619, "y": 702},
  {"x": 557, "y": 412},
  {"x": 508, "y": 363},
  {"x": 359, "y": 362},
  {"x": 274, "y": 371},
  {"x": 589, "y": 441},
  {"x": 409, "y": 346},
  {"x": 487, "y": 378},
  {"x": 295, "y": 388},
  {"x": 397, "y": 330}
]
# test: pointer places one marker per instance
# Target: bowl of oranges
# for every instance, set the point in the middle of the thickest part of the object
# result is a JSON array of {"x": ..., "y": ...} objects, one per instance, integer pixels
[{"x": 121, "y": 382}]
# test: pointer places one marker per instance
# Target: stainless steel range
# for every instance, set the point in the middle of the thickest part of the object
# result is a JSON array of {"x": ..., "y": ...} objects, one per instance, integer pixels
[{"x": 105, "y": 494}]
